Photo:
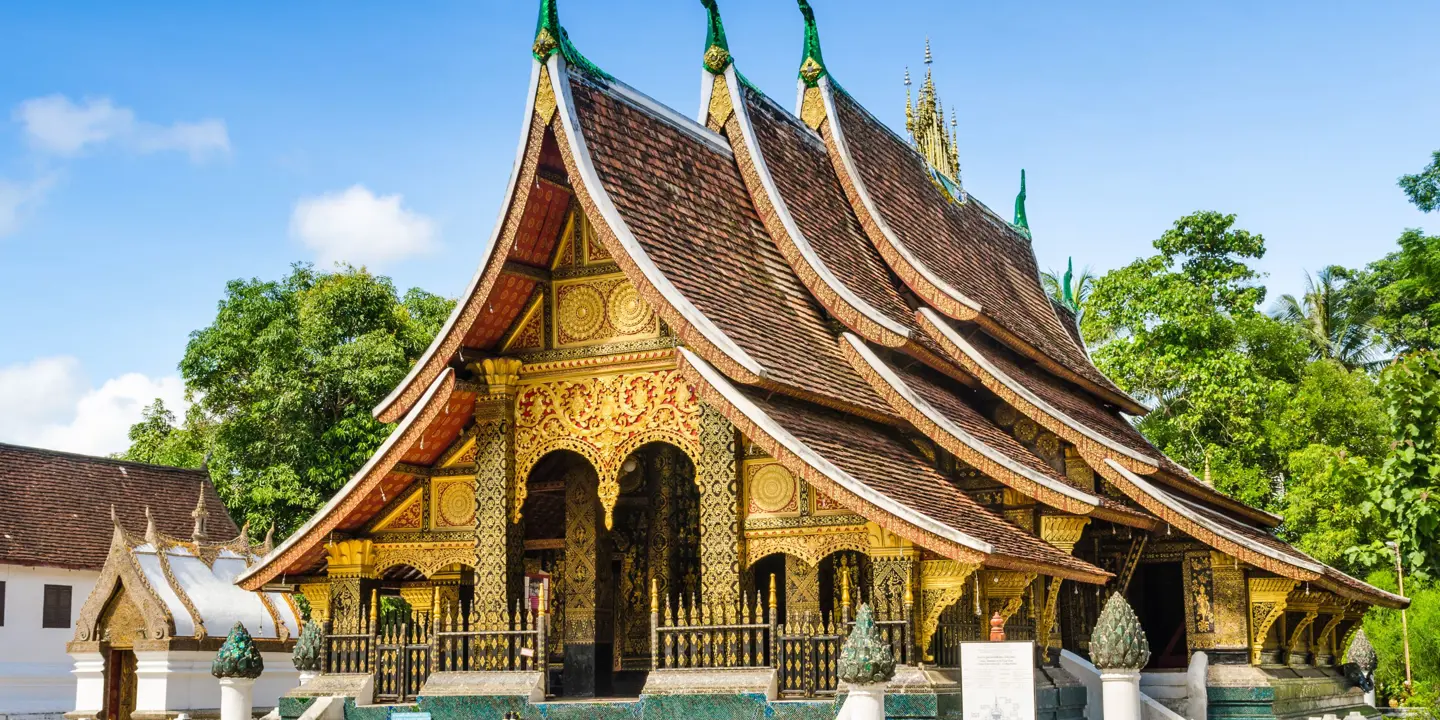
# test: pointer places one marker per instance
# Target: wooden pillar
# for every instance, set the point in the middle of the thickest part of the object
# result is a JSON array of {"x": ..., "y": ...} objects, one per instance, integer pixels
[
  {"x": 1269, "y": 597},
  {"x": 497, "y": 561},
  {"x": 717, "y": 473}
]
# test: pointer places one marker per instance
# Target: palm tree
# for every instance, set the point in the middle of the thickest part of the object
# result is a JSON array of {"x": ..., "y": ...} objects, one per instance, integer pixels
[
  {"x": 1069, "y": 291},
  {"x": 1336, "y": 321}
]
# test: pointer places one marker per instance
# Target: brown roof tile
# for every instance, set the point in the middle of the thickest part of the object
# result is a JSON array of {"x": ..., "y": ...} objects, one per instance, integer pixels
[
  {"x": 962, "y": 243},
  {"x": 687, "y": 205},
  {"x": 55, "y": 506},
  {"x": 881, "y": 458}
]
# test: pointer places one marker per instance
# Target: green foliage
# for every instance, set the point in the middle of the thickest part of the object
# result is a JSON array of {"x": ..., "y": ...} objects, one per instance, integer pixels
[
  {"x": 1405, "y": 493},
  {"x": 156, "y": 439},
  {"x": 238, "y": 657},
  {"x": 1180, "y": 330},
  {"x": 1384, "y": 629},
  {"x": 865, "y": 658},
  {"x": 1406, "y": 289},
  {"x": 1118, "y": 641},
  {"x": 1336, "y": 319},
  {"x": 283, "y": 382},
  {"x": 1322, "y": 514},
  {"x": 1423, "y": 188}
]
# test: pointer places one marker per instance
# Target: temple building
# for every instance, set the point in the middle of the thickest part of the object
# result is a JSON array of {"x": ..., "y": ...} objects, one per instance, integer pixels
[
  {"x": 56, "y": 535},
  {"x": 721, "y": 378},
  {"x": 147, "y": 633}
]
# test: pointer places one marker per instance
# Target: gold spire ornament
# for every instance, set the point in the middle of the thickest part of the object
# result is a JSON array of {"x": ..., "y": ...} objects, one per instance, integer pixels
[{"x": 925, "y": 121}]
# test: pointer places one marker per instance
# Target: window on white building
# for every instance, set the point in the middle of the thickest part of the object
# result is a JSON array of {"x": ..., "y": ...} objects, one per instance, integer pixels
[
  {"x": 2, "y": 603},
  {"x": 57, "y": 607}
]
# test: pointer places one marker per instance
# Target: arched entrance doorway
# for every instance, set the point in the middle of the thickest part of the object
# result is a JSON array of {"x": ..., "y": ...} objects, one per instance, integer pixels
[{"x": 600, "y": 579}]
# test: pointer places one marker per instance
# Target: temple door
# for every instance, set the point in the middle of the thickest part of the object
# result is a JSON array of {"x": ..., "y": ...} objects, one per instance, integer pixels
[{"x": 120, "y": 684}]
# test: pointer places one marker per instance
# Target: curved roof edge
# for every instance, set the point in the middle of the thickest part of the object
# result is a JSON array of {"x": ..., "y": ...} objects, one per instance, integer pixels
[
  {"x": 911, "y": 271},
  {"x": 447, "y": 341},
  {"x": 688, "y": 321},
  {"x": 837, "y": 297},
  {"x": 955, "y": 439},
  {"x": 381, "y": 462},
  {"x": 805, "y": 462},
  {"x": 1191, "y": 520}
]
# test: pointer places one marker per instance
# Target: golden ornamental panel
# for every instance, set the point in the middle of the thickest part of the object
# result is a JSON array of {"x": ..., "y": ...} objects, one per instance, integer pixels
[
  {"x": 452, "y": 504},
  {"x": 603, "y": 419},
  {"x": 594, "y": 310},
  {"x": 810, "y": 544},
  {"x": 408, "y": 516},
  {"x": 426, "y": 557},
  {"x": 771, "y": 489}
]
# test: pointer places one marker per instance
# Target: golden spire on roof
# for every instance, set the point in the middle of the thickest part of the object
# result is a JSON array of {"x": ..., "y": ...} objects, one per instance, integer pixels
[
  {"x": 201, "y": 515},
  {"x": 925, "y": 121}
]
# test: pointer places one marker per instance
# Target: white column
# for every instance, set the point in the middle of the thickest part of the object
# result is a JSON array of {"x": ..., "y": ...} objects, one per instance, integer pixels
[
  {"x": 865, "y": 702},
  {"x": 306, "y": 676},
  {"x": 1370, "y": 695},
  {"x": 236, "y": 702},
  {"x": 1121, "y": 693},
  {"x": 89, "y": 675}
]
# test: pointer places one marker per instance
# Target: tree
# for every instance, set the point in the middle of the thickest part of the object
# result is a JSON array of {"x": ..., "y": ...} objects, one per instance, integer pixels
[
  {"x": 1323, "y": 511},
  {"x": 1335, "y": 320},
  {"x": 283, "y": 382},
  {"x": 1423, "y": 188},
  {"x": 156, "y": 439},
  {"x": 1405, "y": 494},
  {"x": 1384, "y": 630},
  {"x": 1069, "y": 290},
  {"x": 1180, "y": 329},
  {"x": 1406, "y": 289}
]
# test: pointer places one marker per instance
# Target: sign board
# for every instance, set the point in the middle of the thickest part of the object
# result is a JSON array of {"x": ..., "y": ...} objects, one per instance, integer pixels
[{"x": 997, "y": 680}]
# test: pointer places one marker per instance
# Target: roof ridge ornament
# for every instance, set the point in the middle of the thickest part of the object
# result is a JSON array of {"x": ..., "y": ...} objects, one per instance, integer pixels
[
  {"x": 201, "y": 515},
  {"x": 1021, "y": 219},
  {"x": 717, "y": 48},
  {"x": 812, "y": 62},
  {"x": 550, "y": 38},
  {"x": 925, "y": 121}
]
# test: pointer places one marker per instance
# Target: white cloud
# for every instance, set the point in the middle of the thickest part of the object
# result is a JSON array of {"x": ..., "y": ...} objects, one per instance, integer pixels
[
  {"x": 359, "y": 228},
  {"x": 18, "y": 198},
  {"x": 55, "y": 124},
  {"x": 48, "y": 403}
]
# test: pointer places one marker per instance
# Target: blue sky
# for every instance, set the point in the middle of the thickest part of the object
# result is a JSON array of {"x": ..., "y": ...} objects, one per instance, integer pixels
[{"x": 151, "y": 152}]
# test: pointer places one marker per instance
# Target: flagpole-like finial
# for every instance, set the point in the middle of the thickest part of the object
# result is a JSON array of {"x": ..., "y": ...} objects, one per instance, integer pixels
[
  {"x": 812, "y": 63},
  {"x": 1067, "y": 289},
  {"x": 717, "y": 48},
  {"x": 928, "y": 57},
  {"x": 1021, "y": 220}
]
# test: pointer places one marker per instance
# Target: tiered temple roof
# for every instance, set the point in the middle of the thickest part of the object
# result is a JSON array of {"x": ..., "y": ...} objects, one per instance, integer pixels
[{"x": 833, "y": 292}]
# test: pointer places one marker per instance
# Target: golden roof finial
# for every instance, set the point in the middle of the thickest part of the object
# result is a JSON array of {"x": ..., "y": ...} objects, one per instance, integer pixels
[
  {"x": 201, "y": 516},
  {"x": 925, "y": 121}
]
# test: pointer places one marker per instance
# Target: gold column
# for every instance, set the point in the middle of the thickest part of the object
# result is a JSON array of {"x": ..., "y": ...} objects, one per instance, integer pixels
[
  {"x": 318, "y": 595},
  {"x": 1268, "y": 598},
  {"x": 894, "y": 563},
  {"x": 351, "y": 570},
  {"x": 717, "y": 473},
  {"x": 1215, "y": 602},
  {"x": 663, "y": 468},
  {"x": 496, "y": 562},
  {"x": 583, "y": 566},
  {"x": 802, "y": 590}
]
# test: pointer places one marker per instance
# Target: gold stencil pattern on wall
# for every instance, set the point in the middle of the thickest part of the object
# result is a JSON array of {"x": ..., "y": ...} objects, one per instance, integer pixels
[
  {"x": 604, "y": 419},
  {"x": 454, "y": 504},
  {"x": 772, "y": 489},
  {"x": 589, "y": 311}
]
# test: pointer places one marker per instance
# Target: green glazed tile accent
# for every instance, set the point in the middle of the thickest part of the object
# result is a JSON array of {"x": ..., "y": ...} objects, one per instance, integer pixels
[
  {"x": 803, "y": 710},
  {"x": 291, "y": 708}
]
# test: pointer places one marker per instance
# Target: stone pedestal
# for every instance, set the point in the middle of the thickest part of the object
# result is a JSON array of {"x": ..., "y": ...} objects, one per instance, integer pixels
[
  {"x": 1370, "y": 697},
  {"x": 865, "y": 702},
  {"x": 1120, "y": 692},
  {"x": 237, "y": 698},
  {"x": 89, "y": 675}
]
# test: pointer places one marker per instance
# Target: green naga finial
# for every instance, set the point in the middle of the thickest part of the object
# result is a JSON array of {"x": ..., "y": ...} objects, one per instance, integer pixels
[
  {"x": 812, "y": 63},
  {"x": 551, "y": 38},
  {"x": 308, "y": 648},
  {"x": 866, "y": 658},
  {"x": 1067, "y": 288},
  {"x": 238, "y": 657},
  {"x": 547, "y": 31},
  {"x": 1021, "y": 220},
  {"x": 717, "y": 50},
  {"x": 1118, "y": 642}
]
